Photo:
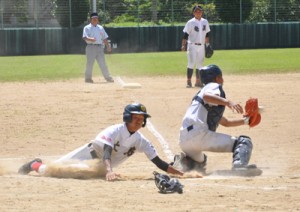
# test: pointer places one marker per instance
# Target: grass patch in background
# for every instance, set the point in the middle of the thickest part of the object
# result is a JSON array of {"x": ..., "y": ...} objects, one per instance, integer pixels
[
  {"x": 230, "y": 61},
  {"x": 39, "y": 68},
  {"x": 61, "y": 67}
]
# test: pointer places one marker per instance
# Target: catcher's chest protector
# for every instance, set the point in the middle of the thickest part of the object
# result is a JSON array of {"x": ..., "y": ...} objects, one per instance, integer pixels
[{"x": 214, "y": 113}]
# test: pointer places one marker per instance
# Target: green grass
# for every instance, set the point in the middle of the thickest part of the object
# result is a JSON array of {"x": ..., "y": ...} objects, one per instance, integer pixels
[
  {"x": 51, "y": 67},
  {"x": 60, "y": 67},
  {"x": 143, "y": 24}
]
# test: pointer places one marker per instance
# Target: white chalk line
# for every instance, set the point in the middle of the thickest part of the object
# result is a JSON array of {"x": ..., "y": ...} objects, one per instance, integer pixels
[
  {"x": 120, "y": 81},
  {"x": 164, "y": 144}
]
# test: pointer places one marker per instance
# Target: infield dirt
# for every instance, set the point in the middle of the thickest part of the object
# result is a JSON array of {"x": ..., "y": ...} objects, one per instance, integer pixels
[{"x": 49, "y": 119}]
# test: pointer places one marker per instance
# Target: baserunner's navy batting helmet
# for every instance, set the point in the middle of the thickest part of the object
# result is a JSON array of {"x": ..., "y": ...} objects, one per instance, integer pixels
[
  {"x": 135, "y": 108},
  {"x": 209, "y": 73}
]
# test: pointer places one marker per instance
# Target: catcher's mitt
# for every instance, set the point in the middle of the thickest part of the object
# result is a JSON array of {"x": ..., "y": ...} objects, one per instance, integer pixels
[
  {"x": 252, "y": 112},
  {"x": 208, "y": 50},
  {"x": 165, "y": 184}
]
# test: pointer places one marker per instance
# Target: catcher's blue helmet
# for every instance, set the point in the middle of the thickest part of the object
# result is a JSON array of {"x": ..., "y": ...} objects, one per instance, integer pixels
[
  {"x": 135, "y": 108},
  {"x": 209, "y": 73}
]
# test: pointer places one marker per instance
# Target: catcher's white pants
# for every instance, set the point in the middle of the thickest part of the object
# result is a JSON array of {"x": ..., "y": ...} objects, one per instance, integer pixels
[
  {"x": 195, "y": 56},
  {"x": 199, "y": 139}
]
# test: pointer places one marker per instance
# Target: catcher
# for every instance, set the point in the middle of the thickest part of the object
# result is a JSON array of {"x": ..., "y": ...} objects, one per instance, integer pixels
[
  {"x": 112, "y": 146},
  {"x": 198, "y": 131}
]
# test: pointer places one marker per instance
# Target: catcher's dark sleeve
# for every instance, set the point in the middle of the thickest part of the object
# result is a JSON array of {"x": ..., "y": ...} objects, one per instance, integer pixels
[
  {"x": 107, "y": 150},
  {"x": 160, "y": 163},
  {"x": 207, "y": 35}
]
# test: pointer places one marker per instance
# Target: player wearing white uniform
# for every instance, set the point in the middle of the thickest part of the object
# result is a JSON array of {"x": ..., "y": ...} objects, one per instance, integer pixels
[
  {"x": 198, "y": 130},
  {"x": 113, "y": 146},
  {"x": 95, "y": 37},
  {"x": 196, "y": 36}
]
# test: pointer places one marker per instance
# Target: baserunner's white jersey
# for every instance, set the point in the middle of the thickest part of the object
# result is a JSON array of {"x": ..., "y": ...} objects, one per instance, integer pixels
[{"x": 123, "y": 143}]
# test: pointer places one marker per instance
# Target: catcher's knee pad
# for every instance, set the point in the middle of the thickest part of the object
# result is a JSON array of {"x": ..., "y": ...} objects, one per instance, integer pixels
[{"x": 242, "y": 150}]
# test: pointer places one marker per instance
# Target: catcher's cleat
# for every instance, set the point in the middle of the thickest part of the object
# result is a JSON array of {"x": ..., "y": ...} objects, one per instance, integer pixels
[
  {"x": 201, "y": 167},
  {"x": 27, "y": 167},
  {"x": 178, "y": 162},
  {"x": 183, "y": 162},
  {"x": 243, "y": 167}
]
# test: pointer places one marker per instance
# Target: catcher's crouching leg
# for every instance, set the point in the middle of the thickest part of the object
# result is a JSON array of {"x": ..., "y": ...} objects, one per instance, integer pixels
[
  {"x": 201, "y": 167},
  {"x": 242, "y": 150},
  {"x": 185, "y": 163}
]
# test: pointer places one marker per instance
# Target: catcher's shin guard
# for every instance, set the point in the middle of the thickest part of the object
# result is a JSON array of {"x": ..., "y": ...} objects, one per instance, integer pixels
[{"x": 242, "y": 150}]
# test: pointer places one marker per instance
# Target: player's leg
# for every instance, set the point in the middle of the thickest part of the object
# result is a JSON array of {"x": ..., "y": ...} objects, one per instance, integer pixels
[
  {"x": 189, "y": 74},
  {"x": 80, "y": 154},
  {"x": 193, "y": 142},
  {"x": 185, "y": 161},
  {"x": 191, "y": 157},
  {"x": 90, "y": 59},
  {"x": 242, "y": 150},
  {"x": 213, "y": 141},
  {"x": 191, "y": 56},
  {"x": 102, "y": 64},
  {"x": 241, "y": 147},
  {"x": 30, "y": 166},
  {"x": 199, "y": 65}
]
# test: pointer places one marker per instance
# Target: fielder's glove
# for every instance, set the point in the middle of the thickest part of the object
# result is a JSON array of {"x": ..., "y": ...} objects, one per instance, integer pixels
[
  {"x": 208, "y": 50},
  {"x": 165, "y": 184},
  {"x": 252, "y": 115}
]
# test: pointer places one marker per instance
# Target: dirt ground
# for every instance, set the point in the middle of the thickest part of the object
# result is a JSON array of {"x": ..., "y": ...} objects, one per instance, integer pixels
[{"x": 49, "y": 119}]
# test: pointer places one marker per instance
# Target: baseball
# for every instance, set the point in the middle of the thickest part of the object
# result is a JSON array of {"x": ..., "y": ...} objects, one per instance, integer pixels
[{"x": 261, "y": 109}]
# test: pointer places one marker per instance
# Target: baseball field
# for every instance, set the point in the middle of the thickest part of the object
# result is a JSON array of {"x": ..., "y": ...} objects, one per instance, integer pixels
[{"x": 46, "y": 111}]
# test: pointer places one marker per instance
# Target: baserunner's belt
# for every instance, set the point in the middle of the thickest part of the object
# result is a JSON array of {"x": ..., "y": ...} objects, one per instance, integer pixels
[
  {"x": 189, "y": 128},
  {"x": 92, "y": 151}
]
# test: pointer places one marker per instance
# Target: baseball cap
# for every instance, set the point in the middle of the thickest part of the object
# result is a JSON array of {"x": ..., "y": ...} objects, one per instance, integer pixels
[
  {"x": 94, "y": 15},
  {"x": 197, "y": 7}
]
